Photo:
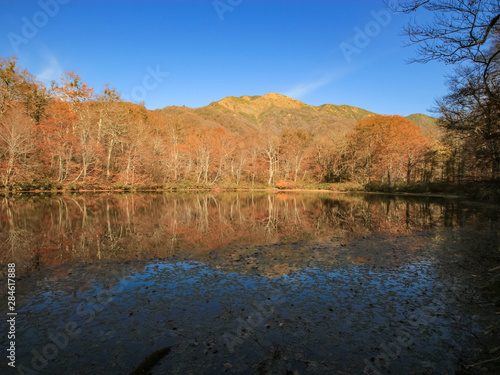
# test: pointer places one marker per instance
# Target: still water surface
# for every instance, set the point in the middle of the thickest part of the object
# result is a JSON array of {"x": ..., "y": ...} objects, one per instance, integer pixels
[{"x": 249, "y": 283}]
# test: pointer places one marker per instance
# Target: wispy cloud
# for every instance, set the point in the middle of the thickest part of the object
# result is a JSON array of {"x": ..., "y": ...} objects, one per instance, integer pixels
[
  {"x": 305, "y": 88},
  {"x": 51, "y": 71}
]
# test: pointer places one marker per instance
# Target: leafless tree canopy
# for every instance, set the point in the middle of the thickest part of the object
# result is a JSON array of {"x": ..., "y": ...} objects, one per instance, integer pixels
[{"x": 460, "y": 29}]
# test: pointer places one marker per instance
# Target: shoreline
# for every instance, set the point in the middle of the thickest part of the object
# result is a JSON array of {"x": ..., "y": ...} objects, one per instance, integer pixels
[
  {"x": 228, "y": 190},
  {"x": 484, "y": 191}
]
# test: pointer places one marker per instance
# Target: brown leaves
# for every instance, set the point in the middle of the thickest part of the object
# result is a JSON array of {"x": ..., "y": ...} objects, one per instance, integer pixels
[{"x": 392, "y": 145}]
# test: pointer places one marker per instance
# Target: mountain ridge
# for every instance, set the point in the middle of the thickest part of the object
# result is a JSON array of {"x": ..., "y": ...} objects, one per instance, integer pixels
[{"x": 243, "y": 114}]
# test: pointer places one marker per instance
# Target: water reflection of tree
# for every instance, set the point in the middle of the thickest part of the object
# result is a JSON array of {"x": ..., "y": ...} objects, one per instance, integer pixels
[
  {"x": 93, "y": 227},
  {"x": 14, "y": 240}
]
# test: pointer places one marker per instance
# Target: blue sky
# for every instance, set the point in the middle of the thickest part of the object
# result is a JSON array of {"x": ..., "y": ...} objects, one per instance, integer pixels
[{"x": 173, "y": 52}]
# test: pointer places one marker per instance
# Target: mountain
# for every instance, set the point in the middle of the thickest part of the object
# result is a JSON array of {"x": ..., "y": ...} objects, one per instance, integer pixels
[
  {"x": 422, "y": 120},
  {"x": 345, "y": 111},
  {"x": 247, "y": 114}
]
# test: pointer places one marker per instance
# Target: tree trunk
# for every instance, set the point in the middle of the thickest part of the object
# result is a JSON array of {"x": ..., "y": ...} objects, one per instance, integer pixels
[
  {"x": 110, "y": 151},
  {"x": 408, "y": 172}
]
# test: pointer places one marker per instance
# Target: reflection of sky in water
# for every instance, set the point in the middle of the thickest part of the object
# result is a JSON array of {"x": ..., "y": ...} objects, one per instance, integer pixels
[
  {"x": 320, "y": 285},
  {"x": 316, "y": 314}
]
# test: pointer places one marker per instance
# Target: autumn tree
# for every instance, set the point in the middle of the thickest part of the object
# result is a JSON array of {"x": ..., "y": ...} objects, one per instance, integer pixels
[
  {"x": 394, "y": 146},
  {"x": 240, "y": 158},
  {"x": 58, "y": 140},
  {"x": 294, "y": 145},
  {"x": 224, "y": 146},
  {"x": 22, "y": 105},
  {"x": 10, "y": 83},
  {"x": 136, "y": 154},
  {"x": 333, "y": 153},
  {"x": 19, "y": 86},
  {"x": 74, "y": 91},
  {"x": 79, "y": 96},
  {"x": 176, "y": 132},
  {"x": 114, "y": 132},
  {"x": 36, "y": 98},
  {"x": 105, "y": 105},
  {"x": 16, "y": 144},
  {"x": 270, "y": 147},
  {"x": 203, "y": 152}
]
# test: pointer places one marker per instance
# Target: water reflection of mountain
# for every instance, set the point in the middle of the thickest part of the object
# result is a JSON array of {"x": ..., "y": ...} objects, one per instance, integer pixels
[{"x": 246, "y": 232}]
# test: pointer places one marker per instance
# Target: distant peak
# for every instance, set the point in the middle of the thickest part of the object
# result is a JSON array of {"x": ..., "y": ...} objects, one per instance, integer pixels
[
  {"x": 280, "y": 100},
  {"x": 273, "y": 95},
  {"x": 258, "y": 104}
]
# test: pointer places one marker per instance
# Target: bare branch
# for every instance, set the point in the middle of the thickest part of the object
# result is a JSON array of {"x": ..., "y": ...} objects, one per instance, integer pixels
[{"x": 459, "y": 31}]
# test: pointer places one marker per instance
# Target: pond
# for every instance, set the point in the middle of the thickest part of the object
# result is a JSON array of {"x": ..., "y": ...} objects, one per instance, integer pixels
[{"x": 250, "y": 283}]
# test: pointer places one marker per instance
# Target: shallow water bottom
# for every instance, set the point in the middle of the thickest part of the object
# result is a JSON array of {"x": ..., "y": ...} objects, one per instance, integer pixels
[{"x": 331, "y": 317}]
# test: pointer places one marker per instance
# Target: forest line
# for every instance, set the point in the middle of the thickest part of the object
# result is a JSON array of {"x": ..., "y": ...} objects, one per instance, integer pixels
[{"x": 67, "y": 136}]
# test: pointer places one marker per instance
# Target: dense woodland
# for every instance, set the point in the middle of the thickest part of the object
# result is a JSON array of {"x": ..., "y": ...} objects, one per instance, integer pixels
[{"x": 69, "y": 136}]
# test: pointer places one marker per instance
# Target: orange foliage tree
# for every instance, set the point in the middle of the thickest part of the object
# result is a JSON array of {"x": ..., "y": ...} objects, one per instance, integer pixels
[{"x": 390, "y": 146}]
